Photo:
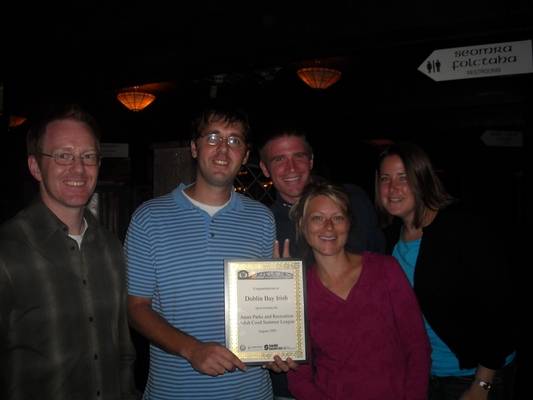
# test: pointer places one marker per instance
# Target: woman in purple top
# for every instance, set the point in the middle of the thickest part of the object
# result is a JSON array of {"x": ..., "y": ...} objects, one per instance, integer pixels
[{"x": 366, "y": 331}]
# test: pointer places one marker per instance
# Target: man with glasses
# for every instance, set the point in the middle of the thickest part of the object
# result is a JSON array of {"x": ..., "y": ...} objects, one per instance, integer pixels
[
  {"x": 63, "y": 321},
  {"x": 175, "y": 246}
]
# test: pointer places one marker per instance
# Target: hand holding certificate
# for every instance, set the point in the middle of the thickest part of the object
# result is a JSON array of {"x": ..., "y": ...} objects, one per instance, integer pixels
[{"x": 265, "y": 309}]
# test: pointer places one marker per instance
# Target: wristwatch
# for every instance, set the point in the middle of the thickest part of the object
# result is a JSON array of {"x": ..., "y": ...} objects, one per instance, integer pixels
[{"x": 484, "y": 384}]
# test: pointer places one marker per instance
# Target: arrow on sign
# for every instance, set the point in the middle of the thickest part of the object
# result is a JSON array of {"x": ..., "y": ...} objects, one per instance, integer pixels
[{"x": 495, "y": 59}]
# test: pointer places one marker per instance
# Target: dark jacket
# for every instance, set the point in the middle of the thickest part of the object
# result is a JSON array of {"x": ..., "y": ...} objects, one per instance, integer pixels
[
  {"x": 462, "y": 284},
  {"x": 64, "y": 332}
]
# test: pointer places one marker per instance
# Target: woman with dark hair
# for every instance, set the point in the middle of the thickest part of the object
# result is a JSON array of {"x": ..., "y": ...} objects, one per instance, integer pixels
[
  {"x": 366, "y": 331},
  {"x": 458, "y": 274}
]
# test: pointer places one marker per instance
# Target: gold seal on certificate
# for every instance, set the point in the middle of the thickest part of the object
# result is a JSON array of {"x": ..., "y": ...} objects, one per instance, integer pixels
[{"x": 265, "y": 309}]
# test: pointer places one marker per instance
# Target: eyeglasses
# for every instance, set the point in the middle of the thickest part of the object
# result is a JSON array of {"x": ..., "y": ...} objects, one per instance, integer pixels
[
  {"x": 64, "y": 158},
  {"x": 215, "y": 139},
  {"x": 321, "y": 220}
]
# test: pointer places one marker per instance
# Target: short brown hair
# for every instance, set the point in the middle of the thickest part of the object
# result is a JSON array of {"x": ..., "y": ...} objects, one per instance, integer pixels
[
  {"x": 35, "y": 135},
  {"x": 280, "y": 132},
  {"x": 228, "y": 114}
]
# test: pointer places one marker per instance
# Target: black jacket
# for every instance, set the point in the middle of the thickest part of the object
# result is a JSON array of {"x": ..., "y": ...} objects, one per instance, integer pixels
[{"x": 461, "y": 282}]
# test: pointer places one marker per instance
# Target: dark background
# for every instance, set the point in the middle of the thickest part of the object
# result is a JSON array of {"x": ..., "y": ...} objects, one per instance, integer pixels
[{"x": 86, "y": 51}]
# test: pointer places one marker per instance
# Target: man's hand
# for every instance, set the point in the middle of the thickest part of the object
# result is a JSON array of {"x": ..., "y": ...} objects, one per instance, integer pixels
[
  {"x": 285, "y": 251},
  {"x": 278, "y": 365},
  {"x": 213, "y": 359}
]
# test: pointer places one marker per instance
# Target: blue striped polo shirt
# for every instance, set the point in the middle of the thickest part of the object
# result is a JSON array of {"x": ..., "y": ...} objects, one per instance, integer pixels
[{"x": 175, "y": 253}]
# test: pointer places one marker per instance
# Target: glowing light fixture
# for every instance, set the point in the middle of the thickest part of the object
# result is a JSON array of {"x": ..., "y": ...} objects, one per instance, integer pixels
[
  {"x": 134, "y": 99},
  {"x": 16, "y": 120},
  {"x": 319, "y": 77}
]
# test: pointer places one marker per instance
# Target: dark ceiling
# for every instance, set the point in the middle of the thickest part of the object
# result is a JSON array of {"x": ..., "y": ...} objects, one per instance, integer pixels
[{"x": 86, "y": 51}]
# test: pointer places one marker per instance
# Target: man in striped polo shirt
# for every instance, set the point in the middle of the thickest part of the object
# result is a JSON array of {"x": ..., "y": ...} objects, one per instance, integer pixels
[{"x": 176, "y": 246}]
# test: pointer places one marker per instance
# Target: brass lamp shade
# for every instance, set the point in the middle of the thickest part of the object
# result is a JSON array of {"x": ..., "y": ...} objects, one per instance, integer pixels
[
  {"x": 319, "y": 77},
  {"x": 135, "y": 100}
]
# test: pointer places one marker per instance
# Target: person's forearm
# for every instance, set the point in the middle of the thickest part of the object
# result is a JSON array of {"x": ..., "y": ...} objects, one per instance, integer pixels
[
  {"x": 478, "y": 390},
  {"x": 485, "y": 374},
  {"x": 158, "y": 331}
]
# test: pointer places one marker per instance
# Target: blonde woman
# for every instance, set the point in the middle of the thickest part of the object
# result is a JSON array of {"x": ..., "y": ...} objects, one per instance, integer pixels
[{"x": 366, "y": 331}]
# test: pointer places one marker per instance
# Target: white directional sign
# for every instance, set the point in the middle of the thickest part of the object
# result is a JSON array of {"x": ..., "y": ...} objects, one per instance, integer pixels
[{"x": 479, "y": 61}]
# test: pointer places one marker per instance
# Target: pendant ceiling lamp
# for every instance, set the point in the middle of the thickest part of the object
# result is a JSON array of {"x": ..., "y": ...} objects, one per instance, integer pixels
[
  {"x": 319, "y": 77},
  {"x": 134, "y": 99},
  {"x": 16, "y": 120}
]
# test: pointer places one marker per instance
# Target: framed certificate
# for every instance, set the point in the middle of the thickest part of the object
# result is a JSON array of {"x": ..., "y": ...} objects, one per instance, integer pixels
[{"x": 265, "y": 309}]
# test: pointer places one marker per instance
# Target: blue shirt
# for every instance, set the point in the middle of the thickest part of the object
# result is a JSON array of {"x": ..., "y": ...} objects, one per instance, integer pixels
[
  {"x": 443, "y": 361},
  {"x": 175, "y": 253}
]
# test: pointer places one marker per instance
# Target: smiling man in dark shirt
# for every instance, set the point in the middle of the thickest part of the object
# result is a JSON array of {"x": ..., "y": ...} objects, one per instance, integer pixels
[{"x": 64, "y": 333}]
